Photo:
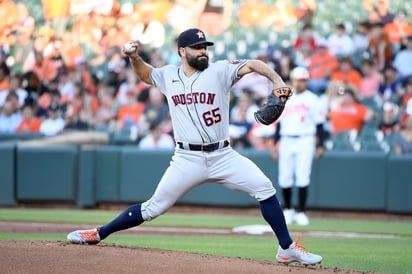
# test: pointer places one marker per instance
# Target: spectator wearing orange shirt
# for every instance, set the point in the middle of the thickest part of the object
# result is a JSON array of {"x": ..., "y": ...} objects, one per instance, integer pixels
[
  {"x": 44, "y": 68},
  {"x": 349, "y": 114},
  {"x": 346, "y": 73},
  {"x": 398, "y": 30},
  {"x": 87, "y": 30},
  {"x": 216, "y": 11},
  {"x": 4, "y": 77},
  {"x": 129, "y": 113},
  {"x": 9, "y": 19},
  {"x": 306, "y": 11},
  {"x": 251, "y": 12},
  {"x": 321, "y": 64},
  {"x": 70, "y": 50},
  {"x": 380, "y": 46},
  {"x": 280, "y": 15},
  {"x": 30, "y": 122}
]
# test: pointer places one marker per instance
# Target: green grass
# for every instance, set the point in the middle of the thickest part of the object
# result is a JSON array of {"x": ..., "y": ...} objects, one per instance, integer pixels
[
  {"x": 388, "y": 255},
  {"x": 401, "y": 228}
]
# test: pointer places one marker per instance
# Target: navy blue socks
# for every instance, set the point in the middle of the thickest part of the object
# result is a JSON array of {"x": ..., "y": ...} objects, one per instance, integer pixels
[
  {"x": 131, "y": 217},
  {"x": 270, "y": 208},
  {"x": 273, "y": 214}
]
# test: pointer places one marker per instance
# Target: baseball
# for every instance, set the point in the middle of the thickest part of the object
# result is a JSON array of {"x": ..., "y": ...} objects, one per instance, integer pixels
[{"x": 129, "y": 47}]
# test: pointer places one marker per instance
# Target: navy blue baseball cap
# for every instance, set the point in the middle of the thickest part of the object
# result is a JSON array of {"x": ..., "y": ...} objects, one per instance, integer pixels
[{"x": 192, "y": 37}]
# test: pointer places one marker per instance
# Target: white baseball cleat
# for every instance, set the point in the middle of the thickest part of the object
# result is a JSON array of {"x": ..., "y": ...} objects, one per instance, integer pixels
[
  {"x": 89, "y": 236},
  {"x": 297, "y": 253},
  {"x": 301, "y": 219},
  {"x": 289, "y": 215}
]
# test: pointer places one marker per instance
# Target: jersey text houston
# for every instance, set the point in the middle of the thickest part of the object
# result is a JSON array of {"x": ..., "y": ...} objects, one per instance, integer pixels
[{"x": 194, "y": 98}]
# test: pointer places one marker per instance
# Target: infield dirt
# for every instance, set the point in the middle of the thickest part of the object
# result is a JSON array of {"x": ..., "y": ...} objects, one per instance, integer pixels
[{"x": 59, "y": 257}]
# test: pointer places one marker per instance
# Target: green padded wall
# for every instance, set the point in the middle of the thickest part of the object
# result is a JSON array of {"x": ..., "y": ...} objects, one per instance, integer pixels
[
  {"x": 46, "y": 173},
  {"x": 352, "y": 181},
  {"x": 7, "y": 177},
  {"x": 86, "y": 178},
  {"x": 119, "y": 174},
  {"x": 399, "y": 192},
  {"x": 313, "y": 191},
  {"x": 140, "y": 172},
  {"x": 108, "y": 162}
]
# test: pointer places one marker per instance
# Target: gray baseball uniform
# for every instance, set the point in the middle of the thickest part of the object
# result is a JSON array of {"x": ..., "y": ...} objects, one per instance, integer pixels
[{"x": 199, "y": 107}]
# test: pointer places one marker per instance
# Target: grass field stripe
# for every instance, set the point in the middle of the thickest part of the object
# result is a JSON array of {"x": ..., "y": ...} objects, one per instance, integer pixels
[{"x": 26, "y": 227}]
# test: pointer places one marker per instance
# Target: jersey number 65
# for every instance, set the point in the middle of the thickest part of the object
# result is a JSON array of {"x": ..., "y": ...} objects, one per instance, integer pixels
[{"x": 212, "y": 117}]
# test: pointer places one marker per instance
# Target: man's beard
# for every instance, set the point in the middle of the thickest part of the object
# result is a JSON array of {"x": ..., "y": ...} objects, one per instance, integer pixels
[{"x": 198, "y": 63}]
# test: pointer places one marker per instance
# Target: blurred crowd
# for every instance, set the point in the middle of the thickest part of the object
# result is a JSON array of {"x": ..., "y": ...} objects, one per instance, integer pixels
[{"x": 64, "y": 70}]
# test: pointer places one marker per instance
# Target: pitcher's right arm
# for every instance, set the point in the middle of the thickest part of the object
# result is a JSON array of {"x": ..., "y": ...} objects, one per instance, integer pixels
[{"x": 140, "y": 67}]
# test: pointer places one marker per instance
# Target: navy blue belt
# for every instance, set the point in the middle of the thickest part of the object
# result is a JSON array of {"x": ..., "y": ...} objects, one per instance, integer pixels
[{"x": 206, "y": 148}]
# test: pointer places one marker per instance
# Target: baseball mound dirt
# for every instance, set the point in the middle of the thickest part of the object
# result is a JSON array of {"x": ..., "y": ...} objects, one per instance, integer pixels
[{"x": 59, "y": 257}]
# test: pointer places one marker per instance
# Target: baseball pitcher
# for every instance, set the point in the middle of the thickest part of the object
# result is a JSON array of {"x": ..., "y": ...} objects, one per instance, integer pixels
[{"x": 198, "y": 95}]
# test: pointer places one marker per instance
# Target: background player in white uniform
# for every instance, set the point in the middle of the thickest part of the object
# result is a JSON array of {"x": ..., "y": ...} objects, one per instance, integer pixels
[
  {"x": 198, "y": 98},
  {"x": 300, "y": 123}
]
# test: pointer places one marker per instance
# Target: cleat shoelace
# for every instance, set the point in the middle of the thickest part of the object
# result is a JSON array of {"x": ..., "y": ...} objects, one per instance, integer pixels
[{"x": 299, "y": 247}]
